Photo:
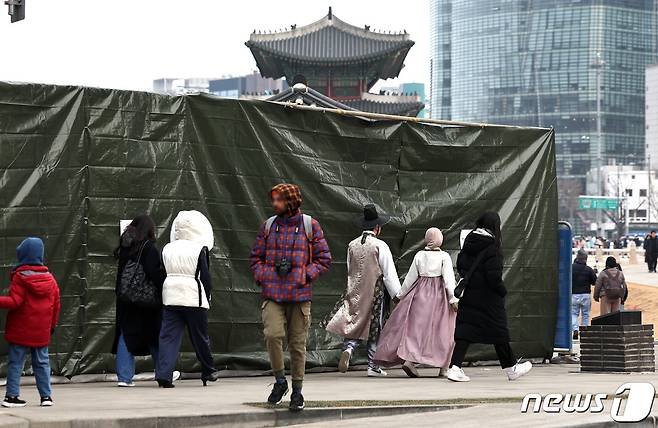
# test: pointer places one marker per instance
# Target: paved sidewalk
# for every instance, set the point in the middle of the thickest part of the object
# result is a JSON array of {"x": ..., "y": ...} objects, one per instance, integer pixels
[
  {"x": 638, "y": 274},
  {"x": 494, "y": 415},
  {"x": 190, "y": 404}
]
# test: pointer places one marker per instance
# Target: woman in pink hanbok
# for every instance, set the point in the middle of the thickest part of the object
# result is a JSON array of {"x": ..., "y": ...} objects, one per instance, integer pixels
[{"x": 421, "y": 328}]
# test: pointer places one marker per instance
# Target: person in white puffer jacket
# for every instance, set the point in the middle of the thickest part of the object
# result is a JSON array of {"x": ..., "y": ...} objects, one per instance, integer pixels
[{"x": 186, "y": 295}]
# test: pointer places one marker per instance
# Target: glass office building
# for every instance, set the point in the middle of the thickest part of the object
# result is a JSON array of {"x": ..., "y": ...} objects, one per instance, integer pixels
[{"x": 537, "y": 62}]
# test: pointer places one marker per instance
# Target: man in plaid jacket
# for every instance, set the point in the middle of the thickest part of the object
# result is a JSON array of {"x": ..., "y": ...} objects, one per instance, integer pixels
[{"x": 285, "y": 262}]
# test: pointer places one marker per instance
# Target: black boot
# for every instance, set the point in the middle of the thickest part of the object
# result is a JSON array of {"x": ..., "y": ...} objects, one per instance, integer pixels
[
  {"x": 279, "y": 390},
  {"x": 575, "y": 335},
  {"x": 165, "y": 383},
  {"x": 212, "y": 377},
  {"x": 296, "y": 401}
]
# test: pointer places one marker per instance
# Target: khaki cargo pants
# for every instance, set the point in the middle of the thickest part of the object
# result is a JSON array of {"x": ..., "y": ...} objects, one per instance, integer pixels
[{"x": 293, "y": 319}]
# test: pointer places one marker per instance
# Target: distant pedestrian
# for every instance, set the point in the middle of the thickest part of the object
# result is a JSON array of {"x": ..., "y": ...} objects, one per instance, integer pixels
[
  {"x": 610, "y": 287},
  {"x": 137, "y": 325},
  {"x": 651, "y": 251},
  {"x": 582, "y": 279},
  {"x": 623, "y": 299},
  {"x": 371, "y": 283},
  {"x": 33, "y": 304},
  {"x": 481, "y": 316},
  {"x": 421, "y": 328},
  {"x": 186, "y": 296},
  {"x": 289, "y": 254}
]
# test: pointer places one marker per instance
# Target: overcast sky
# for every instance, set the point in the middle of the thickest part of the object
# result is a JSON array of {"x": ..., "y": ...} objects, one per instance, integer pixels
[{"x": 126, "y": 44}]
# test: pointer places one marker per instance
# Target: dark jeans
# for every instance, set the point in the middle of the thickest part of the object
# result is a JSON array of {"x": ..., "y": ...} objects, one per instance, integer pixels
[
  {"x": 503, "y": 350},
  {"x": 174, "y": 321},
  {"x": 652, "y": 264}
]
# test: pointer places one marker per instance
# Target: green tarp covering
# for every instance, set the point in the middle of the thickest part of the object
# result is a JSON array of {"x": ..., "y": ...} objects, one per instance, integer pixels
[{"x": 75, "y": 161}]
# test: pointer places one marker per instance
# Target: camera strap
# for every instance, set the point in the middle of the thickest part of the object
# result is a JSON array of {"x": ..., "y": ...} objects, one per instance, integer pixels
[
  {"x": 282, "y": 247},
  {"x": 306, "y": 221}
]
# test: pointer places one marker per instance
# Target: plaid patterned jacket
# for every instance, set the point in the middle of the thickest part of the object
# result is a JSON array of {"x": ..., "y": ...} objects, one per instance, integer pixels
[{"x": 287, "y": 238}]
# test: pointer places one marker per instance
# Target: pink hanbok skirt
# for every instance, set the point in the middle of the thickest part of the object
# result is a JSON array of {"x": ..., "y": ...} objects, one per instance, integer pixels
[{"x": 421, "y": 328}]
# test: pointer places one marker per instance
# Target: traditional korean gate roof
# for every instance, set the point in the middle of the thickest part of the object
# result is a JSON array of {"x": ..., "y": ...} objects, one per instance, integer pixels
[{"x": 329, "y": 41}]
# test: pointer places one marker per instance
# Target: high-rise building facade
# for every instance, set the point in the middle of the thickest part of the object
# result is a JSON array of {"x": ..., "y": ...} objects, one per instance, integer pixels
[
  {"x": 651, "y": 116},
  {"x": 538, "y": 62},
  {"x": 440, "y": 54}
]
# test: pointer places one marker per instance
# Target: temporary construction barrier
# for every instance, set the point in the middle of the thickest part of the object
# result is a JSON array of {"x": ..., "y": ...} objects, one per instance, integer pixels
[{"x": 75, "y": 161}]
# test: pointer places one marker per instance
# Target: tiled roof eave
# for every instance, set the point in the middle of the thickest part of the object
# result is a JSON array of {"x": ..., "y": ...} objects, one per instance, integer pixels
[
  {"x": 399, "y": 108},
  {"x": 323, "y": 23},
  {"x": 332, "y": 61}
]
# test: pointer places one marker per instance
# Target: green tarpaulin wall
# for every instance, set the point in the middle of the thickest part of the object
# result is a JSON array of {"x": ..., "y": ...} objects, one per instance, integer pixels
[{"x": 74, "y": 161}]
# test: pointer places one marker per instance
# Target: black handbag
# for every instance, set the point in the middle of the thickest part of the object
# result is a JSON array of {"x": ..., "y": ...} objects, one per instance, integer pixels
[
  {"x": 135, "y": 288},
  {"x": 463, "y": 282}
]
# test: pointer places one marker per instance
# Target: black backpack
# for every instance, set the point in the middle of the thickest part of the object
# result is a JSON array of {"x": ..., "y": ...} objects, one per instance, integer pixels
[{"x": 135, "y": 288}]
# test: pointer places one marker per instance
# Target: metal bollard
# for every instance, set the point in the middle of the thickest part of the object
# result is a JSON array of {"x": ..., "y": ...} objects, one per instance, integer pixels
[
  {"x": 599, "y": 255},
  {"x": 632, "y": 253}
]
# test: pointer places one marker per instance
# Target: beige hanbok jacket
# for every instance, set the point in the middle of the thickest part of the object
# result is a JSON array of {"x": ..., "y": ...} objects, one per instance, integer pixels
[{"x": 367, "y": 263}]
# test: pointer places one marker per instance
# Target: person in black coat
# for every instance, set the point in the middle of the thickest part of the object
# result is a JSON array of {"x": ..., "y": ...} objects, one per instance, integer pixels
[
  {"x": 651, "y": 251},
  {"x": 623, "y": 299},
  {"x": 137, "y": 328},
  {"x": 481, "y": 314},
  {"x": 582, "y": 279}
]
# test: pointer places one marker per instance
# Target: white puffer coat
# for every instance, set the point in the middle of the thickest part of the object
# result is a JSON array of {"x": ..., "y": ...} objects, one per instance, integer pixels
[{"x": 190, "y": 233}]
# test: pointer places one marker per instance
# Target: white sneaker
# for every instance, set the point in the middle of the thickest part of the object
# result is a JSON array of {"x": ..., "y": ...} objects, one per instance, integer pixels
[
  {"x": 443, "y": 372},
  {"x": 175, "y": 376},
  {"x": 376, "y": 372},
  {"x": 125, "y": 384},
  {"x": 344, "y": 363},
  {"x": 456, "y": 374},
  {"x": 518, "y": 370}
]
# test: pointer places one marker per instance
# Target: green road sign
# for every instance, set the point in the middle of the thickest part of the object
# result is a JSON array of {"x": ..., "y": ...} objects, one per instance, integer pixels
[{"x": 598, "y": 202}]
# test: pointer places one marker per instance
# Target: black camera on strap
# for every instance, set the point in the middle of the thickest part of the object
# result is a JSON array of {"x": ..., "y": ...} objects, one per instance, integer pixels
[{"x": 283, "y": 267}]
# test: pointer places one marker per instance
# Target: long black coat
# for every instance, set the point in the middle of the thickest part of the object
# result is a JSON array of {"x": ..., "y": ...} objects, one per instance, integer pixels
[
  {"x": 650, "y": 249},
  {"x": 140, "y": 326},
  {"x": 481, "y": 316}
]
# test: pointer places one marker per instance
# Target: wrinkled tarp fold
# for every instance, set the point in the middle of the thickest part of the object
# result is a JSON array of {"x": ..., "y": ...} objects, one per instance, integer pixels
[{"x": 74, "y": 161}]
